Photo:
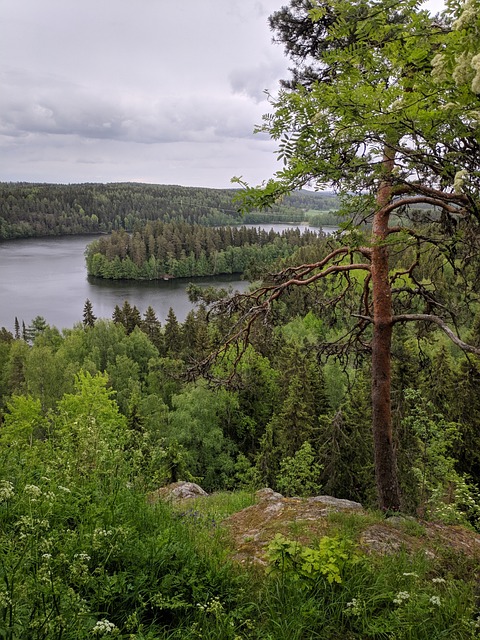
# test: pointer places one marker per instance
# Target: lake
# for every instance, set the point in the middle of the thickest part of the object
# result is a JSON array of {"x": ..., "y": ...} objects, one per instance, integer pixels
[{"x": 48, "y": 277}]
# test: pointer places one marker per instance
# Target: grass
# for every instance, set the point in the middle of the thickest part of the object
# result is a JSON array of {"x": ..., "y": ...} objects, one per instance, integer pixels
[
  {"x": 222, "y": 504},
  {"x": 85, "y": 563}
]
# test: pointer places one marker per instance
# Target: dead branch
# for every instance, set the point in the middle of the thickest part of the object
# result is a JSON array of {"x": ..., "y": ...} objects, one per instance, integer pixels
[{"x": 426, "y": 317}]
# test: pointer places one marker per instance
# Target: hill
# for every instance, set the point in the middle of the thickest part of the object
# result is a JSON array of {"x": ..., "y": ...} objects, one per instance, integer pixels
[{"x": 28, "y": 209}]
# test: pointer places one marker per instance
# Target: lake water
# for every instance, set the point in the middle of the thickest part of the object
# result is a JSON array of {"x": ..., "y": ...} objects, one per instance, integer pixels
[{"x": 48, "y": 277}]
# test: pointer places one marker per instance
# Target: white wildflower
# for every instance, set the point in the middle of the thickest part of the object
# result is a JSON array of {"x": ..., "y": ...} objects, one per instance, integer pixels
[
  {"x": 212, "y": 606},
  {"x": 102, "y": 627},
  {"x": 401, "y": 597},
  {"x": 6, "y": 490},
  {"x": 413, "y": 574},
  {"x": 354, "y": 607},
  {"x": 438, "y": 580},
  {"x": 64, "y": 489},
  {"x": 435, "y": 600},
  {"x": 32, "y": 490}
]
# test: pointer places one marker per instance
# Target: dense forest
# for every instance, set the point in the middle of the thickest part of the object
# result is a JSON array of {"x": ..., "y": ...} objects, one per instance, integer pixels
[
  {"x": 99, "y": 415},
  {"x": 50, "y": 209},
  {"x": 179, "y": 250},
  {"x": 285, "y": 392},
  {"x": 352, "y": 369}
]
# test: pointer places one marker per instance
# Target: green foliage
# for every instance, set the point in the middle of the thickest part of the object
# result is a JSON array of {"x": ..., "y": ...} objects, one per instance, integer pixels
[
  {"x": 82, "y": 553},
  {"x": 24, "y": 423},
  {"x": 331, "y": 560},
  {"x": 200, "y": 422},
  {"x": 443, "y": 493},
  {"x": 299, "y": 475}
]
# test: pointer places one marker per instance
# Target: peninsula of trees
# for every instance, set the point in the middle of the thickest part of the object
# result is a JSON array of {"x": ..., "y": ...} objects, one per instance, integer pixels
[{"x": 180, "y": 250}]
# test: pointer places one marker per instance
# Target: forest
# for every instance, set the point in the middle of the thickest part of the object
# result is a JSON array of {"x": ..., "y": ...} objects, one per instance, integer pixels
[
  {"x": 97, "y": 416},
  {"x": 350, "y": 369},
  {"x": 179, "y": 250},
  {"x": 28, "y": 210}
]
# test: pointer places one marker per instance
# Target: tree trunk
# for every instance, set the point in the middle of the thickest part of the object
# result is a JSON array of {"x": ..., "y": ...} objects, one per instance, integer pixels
[{"x": 385, "y": 456}]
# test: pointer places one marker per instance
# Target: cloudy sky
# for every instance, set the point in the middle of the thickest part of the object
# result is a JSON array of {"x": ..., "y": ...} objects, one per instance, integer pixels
[{"x": 156, "y": 91}]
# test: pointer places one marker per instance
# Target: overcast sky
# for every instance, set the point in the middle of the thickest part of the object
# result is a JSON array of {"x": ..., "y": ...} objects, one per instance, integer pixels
[{"x": 156, "y": 91}]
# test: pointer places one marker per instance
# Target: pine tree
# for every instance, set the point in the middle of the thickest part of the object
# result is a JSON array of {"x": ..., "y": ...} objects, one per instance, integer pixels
[
  {"x": 365, "y": 114},
  {"x": 88, "y": 317},
  {"x": 173, "y": 334}
]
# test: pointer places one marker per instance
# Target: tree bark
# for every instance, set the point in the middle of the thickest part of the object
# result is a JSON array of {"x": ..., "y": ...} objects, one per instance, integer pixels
[{"x": 385, "y": 455}]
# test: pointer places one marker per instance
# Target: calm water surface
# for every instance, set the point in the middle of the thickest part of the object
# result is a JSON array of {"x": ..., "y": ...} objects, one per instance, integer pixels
[{"x": 48, "y": 277}]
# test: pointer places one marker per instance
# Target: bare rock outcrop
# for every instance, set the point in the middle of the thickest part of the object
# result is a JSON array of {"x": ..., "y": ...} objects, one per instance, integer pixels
[
  {"x": 308, "y": 519},
  {"x": 254, "y": 527},
  {"x": 177, "y": 492}
]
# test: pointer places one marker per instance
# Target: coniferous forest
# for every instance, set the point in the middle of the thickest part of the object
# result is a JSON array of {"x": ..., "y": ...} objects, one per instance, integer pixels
[
  {"x": 28, "y": 210},
  {"x": 351, "y": 369},
  {"x": 179, "y": 250},
  {"x": 99, "y": 416}
]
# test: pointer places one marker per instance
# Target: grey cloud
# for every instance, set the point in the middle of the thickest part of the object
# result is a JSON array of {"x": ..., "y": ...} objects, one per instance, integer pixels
[
  {"x": 103, "y": 90},
  {"x": 61, "y": 108},
  {"x": 255, "y": 80}
]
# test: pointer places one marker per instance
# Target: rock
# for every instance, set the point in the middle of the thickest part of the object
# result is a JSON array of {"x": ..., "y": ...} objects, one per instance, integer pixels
[
  {"x": 267, "y": 494},
  {"x": 339, "y": 503},
  {"x": 400, "y": 519},
  {"x": 381, "y": 539},
  {"x": 177, "y": 492},
  {"x": 253, "y": 528}
]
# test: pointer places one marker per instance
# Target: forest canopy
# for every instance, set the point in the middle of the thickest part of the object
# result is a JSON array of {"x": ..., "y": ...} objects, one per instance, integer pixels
[{"x": 28, "y": 210}]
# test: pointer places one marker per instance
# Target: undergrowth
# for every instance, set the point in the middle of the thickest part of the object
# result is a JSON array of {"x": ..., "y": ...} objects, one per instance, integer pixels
[
  {"x": 84, "y": 555},
  {"x": 77, "y": 565}
]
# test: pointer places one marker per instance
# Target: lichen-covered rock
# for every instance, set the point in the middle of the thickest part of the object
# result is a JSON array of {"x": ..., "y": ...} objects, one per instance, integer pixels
[
  {"x": 253, "y": 528},
  {"x": 267, "y": 494},
  {"x": 177, "y": 492},
  {"x": 339, "y": 503},
  {"x": 306, "y": 520}
]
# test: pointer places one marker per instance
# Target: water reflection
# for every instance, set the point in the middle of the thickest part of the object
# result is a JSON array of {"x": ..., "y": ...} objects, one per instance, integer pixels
[{"x": 47, "y": 277}]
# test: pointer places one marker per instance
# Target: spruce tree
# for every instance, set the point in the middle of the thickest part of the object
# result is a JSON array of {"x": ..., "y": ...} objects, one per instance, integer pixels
[
  {"x": 173, "y": 335},
  {"x": 88, "y": 316},
  {"x": 151, "y": 325}
]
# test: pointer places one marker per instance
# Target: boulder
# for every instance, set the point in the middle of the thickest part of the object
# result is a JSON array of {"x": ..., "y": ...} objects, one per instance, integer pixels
[{"x": 177, "y": 492}]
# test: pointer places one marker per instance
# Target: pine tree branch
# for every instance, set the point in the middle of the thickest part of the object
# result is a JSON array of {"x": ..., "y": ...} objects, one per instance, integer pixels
[{"x": 426, "y": 317}]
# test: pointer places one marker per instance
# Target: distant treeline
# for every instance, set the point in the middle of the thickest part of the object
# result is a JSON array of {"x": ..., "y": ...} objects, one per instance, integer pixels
[
  {"x": 28, "y": 210},
  {"x": 181, "y": 250}
]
